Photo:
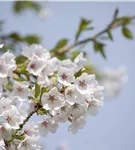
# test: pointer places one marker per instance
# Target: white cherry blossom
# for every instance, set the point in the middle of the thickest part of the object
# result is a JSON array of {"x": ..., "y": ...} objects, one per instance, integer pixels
[
  {"x": 77, "y": 110},
  {"x": 52, "y": 99},
  {"x": 5, "y": 105},
  {"x": 63, "y": 113},
  {"x": 12, "y": 117},
  {"x": 29, "y": 143},
  {"x": 36, "y": 65},
  {"x": 30, "y": 129},
  {"x": 93, "y": 107},
  {"x": 77, "y": 123},
  {"x": 3, "y": 68},
  {"x": 35, "y": 50},
  {"x": 20, "y": 89},
  {"x": 67, "y": 63},
  {"x": 5, "y": 132},
  {"x": 83, "y": 82},
  {"x": 72, "y": 95},
  {"x": 80, "y": 61},
  {"x": 45, "y": 126},
  {"x": 10, "y": 61},
  {"x": 65, "y": 76}
]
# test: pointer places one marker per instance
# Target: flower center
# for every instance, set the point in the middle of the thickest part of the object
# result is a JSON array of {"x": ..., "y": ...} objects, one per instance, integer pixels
[
  {"x": 8, "y": 119},
  {"x": 51, "y": 98},
  {"x": 70, "y": 92},
  {"x": 64, "y": 76},
  {"x": 82, "y": 83},
  {"x": 33, "y": 66},
  {"x": 19, "y": 89},
  {"x": 44, "y": 123},
  {"x": 26, "y": 132}
]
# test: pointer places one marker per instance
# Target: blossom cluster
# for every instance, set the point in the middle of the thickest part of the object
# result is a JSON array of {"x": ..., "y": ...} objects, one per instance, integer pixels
[{"x": 59, "y": 90}]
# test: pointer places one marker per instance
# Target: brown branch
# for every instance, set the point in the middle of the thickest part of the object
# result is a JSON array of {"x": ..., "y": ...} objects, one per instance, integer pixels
[{"x": 114, "y": 24}]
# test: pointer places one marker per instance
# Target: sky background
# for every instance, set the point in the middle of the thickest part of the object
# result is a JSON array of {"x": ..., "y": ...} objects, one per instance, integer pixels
[{"x": 114, "y": 127}]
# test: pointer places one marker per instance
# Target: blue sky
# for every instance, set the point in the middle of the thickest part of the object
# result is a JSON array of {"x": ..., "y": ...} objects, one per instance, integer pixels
[{"x": 114, "y": 127}]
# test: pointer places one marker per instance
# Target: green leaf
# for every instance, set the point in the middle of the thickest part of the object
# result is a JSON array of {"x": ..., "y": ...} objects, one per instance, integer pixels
[
  {"x": 21, "y": 6},
  {"x": 42, "y": 111},
  {"x": 18, "y": 7},
  {"x": 30, "y": 39},
  {"x": 82, "y": 26},
  {"x": 37, "y": 90},
  {"x": 74, "y": 54},
  {"x": 110, "y": 35},
  {"x": 21, "y": 59},
  {"x": 127, "y": 33},
  {"x": 15, "y": 36},
  {"x": 99, "y": 48},
  {"x": 123, "y": 20},
  {"x": 61, "y": 43}
]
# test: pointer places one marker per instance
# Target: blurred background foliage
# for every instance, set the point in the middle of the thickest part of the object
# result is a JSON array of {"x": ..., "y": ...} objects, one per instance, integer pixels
[{"x": 63, "y": 50}]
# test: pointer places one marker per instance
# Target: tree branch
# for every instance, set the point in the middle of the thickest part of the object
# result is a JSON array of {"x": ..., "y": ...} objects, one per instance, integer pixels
[{"x": 117, "y": 22}]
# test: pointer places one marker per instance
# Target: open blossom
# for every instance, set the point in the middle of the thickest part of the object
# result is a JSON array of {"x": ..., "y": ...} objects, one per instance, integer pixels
[
  {"x": 77, "y": 110},
  {"x": 23, "y": 109},
  {"x": 29, "y": 143},
  {"x": 72, "y": 95},
  {"x": 52, "y": 99},
  {"x": 35, "y": 50},
  {"x": 51, "y": 67},
  {"x": 3, "y": 68},
  {"x": 48, "y": 125},
  {"x": 10, "y": 61},
  {"x": 80, "y": 61},
  {"x": 36, "y": 65},
  {"x": 67, "y": 63},
  {"x": 77, "y": 123},
  {"x": 20, "y": 89},
  {"x": 62, "y": 114},
  {"x": 5, "y": 131},
  {"x": 7, "y": 65},
  {"x": 83, "y": 82},
  {"x": 65, "y": 76},
  {"x": 30, "y": 129},
  {"x": 93, "y": 107},
  {"x": 12, "y": 117},
  {"x": 5, "y": 105}
]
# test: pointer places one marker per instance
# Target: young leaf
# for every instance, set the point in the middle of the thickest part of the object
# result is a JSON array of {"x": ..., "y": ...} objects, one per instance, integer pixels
[
  {"x": 99, "y": 48},
  {"x": 61, "y": 43},
  {"x": 110, "y": 35},
  {"x": 30, "y": 39},
  {"x": 37, "y": 90},
  {"x": 82, "y": 26},
  {"x": 21, "y": 59},
  {"x": 127, "y": 33},
  {"x": 15, "y": 36}
]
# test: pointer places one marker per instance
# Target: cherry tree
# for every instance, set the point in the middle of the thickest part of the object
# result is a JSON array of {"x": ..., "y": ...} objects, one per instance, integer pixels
[{"x": 59, "y": 84}]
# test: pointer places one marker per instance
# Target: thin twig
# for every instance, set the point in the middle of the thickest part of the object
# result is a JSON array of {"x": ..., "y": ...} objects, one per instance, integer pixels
[{"x": 114, "y": 24}]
